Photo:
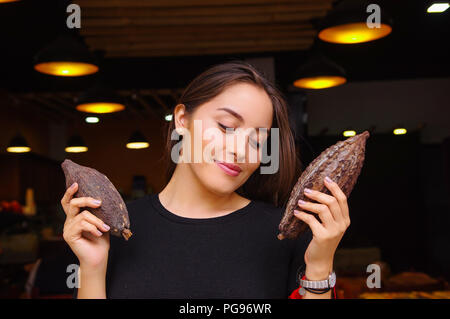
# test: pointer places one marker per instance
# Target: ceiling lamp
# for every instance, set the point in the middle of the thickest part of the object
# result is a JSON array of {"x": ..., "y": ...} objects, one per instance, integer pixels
[
  {"x": 319, "y": 73},
  {"x": 99, "y": 99},
  {"x": 438, "y": 7},
  {"x": 66, "y": 56},
  {"x": 137, "y": 141},
  {"x": 400, "y": 131},
  {"x": 6, "y": 1},
  {"x": 76, "y": 145},
  {"x": 168, "y": 117},
  {"x": 347, "y": 23},
  {"x": 348, "y": 133},
  {"x": 18, "y": 144},
  {"x": 92, "y": 119}
]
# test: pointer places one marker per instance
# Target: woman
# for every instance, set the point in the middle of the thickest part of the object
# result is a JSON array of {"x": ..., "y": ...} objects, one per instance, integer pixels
[{"x": 212, "y": 231}]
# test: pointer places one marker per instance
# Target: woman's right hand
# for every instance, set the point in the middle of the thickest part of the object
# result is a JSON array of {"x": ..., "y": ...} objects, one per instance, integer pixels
[{"x": 83, "y": 230}]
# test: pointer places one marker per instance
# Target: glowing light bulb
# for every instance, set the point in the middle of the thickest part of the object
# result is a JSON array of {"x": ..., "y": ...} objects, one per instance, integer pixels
[
  {"x": 438, "y": 7},
  {"x": 18, "y": 149},
  {"x": 100, "y": 107},
  {"x": 354, "y": 33},
  {"x": 137, "y": 145},
  {"x": 349, "y": 133},
  {"x": 399, "y": 131},
  {"x": 76, "y": 149},
  {"x": 319, "y": 82},
  {"x": 92, "y": 119},
  {"x": 65, "y": 68}
]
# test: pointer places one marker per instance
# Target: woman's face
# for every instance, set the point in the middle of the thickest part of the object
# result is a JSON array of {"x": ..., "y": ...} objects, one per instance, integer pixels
[{"x": 243, "y": 107}]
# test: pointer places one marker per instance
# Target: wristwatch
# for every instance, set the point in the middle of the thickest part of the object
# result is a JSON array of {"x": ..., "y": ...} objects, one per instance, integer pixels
[{"x": 318, "y": 284}]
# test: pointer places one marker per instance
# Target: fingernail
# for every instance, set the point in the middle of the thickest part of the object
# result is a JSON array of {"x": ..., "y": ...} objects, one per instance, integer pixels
[
  {"x": 73, "y": 185},
  {"x": 301, "y": 202},
  {"x": 308, "y": 191},
  {"x": 106, "y": 227},
  {"x": 296, "y": 212},
  {"x": 328, "y": 179},
  {"x": 97, "y": 202},
  {"x": 99, "y": 233}
]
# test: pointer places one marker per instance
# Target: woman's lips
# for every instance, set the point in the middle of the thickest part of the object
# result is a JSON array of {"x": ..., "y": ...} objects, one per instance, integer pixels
[{"x": 229, "y": 169}]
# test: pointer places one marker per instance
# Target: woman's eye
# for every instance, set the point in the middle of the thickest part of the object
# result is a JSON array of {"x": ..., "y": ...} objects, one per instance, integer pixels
[{"x": 223, "y": 127}]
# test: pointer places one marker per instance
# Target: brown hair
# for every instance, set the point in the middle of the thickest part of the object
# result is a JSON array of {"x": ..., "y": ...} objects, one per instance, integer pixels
[{"x": 274, "y": 188}]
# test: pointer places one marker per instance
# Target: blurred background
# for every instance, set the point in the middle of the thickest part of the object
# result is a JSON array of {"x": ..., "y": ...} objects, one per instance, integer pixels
[{"x": 96, "y": 81}]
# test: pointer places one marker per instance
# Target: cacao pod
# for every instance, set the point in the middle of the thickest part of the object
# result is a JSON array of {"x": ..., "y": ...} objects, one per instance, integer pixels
[
  {"x": 92, "y": 183},
  {"x": 342, "y": 162}
]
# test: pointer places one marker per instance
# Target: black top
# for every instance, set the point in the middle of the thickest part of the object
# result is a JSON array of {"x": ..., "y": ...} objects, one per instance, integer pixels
[{"x": 233, "y": 256}]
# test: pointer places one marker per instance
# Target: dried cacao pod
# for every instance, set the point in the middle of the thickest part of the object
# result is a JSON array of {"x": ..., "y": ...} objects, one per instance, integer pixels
[
  {"x": 342, "y": 162},
  {"x": 92, "y": 183}
]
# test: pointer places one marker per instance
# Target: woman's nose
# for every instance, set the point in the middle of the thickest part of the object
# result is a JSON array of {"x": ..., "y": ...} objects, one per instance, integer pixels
[{"x": 238, "y": 149}]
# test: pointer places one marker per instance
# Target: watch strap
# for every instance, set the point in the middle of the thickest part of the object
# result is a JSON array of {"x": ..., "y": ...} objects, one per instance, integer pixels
[{"x": 318, "y": 284}]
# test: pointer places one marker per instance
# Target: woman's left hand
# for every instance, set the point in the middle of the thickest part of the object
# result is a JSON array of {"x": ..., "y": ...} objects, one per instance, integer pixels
[{"x": 334, "y": 214}]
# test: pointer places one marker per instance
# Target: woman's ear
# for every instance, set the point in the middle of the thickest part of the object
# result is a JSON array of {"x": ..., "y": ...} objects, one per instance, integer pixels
[{"x": 180, "y": 117}]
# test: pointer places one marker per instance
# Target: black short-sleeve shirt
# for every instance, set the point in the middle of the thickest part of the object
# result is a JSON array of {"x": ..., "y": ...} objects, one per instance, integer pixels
[{"x": 233, "y": 256}]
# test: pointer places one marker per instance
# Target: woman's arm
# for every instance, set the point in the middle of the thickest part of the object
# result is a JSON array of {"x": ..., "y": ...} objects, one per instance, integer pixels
[
  {"x": 333, "y": 213},
  {"x": 92, "y": 282},
  {"x": 82, "y": 233},
  {"x": 317, "y": 274}
]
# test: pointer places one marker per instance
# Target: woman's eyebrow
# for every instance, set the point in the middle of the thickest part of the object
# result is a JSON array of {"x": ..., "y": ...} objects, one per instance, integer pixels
[{"x": 236, "y": 115}]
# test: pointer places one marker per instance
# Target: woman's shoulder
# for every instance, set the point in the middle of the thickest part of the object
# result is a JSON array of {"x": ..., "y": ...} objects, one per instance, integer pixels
[
  {"x": 139, "y": 203},
  {"x": 139, "y": 208},
  {"x": 268, "y": 209}
]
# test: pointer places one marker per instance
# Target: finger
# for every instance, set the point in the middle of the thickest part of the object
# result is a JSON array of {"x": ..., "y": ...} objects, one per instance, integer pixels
[
  {"x": 76, "y": 203},
  {"x": 68, "y": 196},
  {"x": 328, "y": 200},
  {"x": 340, "y": 197},
  {"x": 312, "y": 222},
  {"x": 322, "y": 210},
  {"x": 91, "y": 218},
  {"x": 78, "y": 227},
  {"x": 86, "y": 226}
]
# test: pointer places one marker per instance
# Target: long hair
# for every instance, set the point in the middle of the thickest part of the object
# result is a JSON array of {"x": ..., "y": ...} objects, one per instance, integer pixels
[{"x": 274, "y": 188}]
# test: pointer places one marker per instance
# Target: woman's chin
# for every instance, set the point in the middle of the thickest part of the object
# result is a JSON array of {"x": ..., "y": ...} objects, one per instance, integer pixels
[
  {"x": 218, "y": 181},
  {"x": 221, "y": 184}
]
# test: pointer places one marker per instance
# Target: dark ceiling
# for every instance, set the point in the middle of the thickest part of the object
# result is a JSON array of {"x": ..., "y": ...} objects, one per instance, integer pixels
[{"x": 415, "y": 49}]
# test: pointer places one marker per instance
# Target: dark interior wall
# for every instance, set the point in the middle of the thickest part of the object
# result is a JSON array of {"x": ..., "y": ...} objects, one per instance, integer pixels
[
  {"x": 384, "y": 104},
  {"x": 16, "y": 118},
  {"x": 435, "y": 214},
  {"x": 108, "y": 153},
  {"x": 400, "y": 203},
  {"x": 106, "y": 142}
]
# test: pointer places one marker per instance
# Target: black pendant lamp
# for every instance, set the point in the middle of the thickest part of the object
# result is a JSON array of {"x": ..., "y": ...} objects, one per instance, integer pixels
[
  {"x": 347, "y": 23},
  {"x": 18, "y": 144},
  {"x": 76, "y": 144},
  {"x": 137, "y": 141},
  {"x": 66, "y": 56},
  {"x": 319, "y": 72},
  {"x": 100, "y": 99}
]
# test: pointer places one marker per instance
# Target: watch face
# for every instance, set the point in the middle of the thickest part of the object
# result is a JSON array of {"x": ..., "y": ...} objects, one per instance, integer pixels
[{"x": 332, "y": 280}]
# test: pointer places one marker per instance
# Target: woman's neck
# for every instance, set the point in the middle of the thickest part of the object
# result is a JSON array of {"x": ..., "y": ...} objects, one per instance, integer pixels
[{"x": 185, "y": 196}]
